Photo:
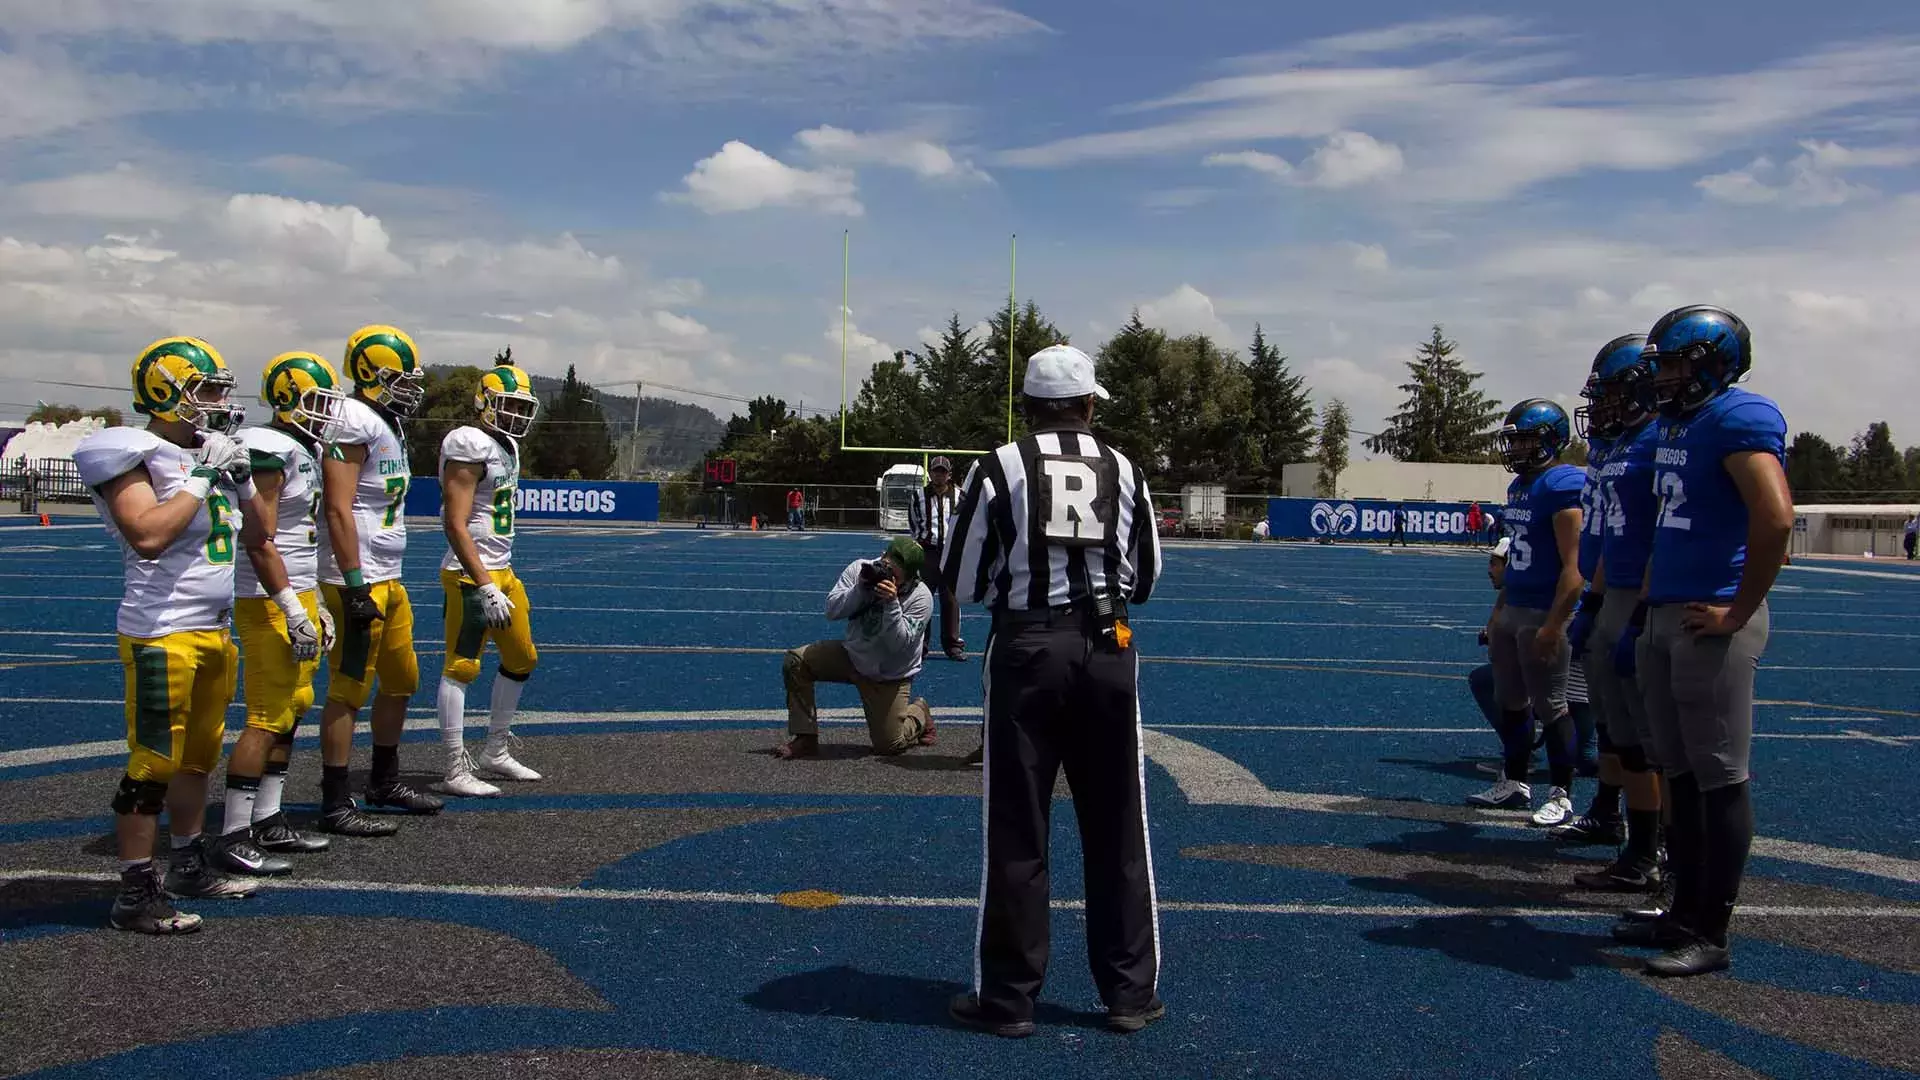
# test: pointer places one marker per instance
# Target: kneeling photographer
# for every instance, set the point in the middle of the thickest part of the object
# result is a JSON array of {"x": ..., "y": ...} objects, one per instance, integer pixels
[{"x": 886, "y": 608}]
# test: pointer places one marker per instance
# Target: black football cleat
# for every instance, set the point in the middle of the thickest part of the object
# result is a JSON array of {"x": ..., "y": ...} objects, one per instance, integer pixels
[
  {"x": 965, "y": 1008},
  {"x": 191, "y": 875},
  {"x": 1661, "y": 906},
  {"x": 398, "y": 796},
  {"x": 1625, "y": 875},
  {"x": 1587, "y": 829},
  {"x": 1126, "y": 1023},
  {"x": 1696, "y": 957},
  {"x": 237, "y": 853},
  {"x": 276, "y": 833},
  {"x": 142, "y": 906},
  {"x": 347, "y": 819}
]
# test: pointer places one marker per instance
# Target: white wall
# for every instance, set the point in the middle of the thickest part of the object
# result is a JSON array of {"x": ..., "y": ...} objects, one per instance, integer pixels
[
  {"x": 50, "y": 441},
  {"x": 1401, "y": 480}
]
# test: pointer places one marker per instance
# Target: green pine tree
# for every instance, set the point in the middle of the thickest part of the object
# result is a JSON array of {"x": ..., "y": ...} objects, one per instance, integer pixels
[
  {"x": 1281, "y": 412},
  {"x": 1444, "y": 416}
]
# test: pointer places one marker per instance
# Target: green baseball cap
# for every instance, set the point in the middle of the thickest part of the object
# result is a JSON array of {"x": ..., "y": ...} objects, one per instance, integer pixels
[{"x": 908, "y": 555}]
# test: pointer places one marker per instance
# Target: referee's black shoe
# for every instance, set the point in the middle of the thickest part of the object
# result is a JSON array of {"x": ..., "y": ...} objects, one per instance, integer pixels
[
  {"x": 1126, "y": 1023},
  {"x": 966, "y": 1009}
]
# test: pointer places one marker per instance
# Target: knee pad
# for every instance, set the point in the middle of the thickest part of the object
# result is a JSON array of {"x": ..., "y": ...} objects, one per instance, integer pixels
[
  {"x": 461, "y": 669},
  {"x": 406, "y": 677},
  {"x": 516, "y": 676},
  {"x": 147, "y": 797},
  {"x": 792, "y": 665},
  {"x": 1633, "y": 759}
]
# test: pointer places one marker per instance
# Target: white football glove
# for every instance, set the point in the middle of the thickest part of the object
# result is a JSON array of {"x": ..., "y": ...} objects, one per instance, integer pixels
[
  {"x": 327, "y": 636},
  {"x": 301, "y": 632},
  {"x": 221, "y": 454},
  {"x": 494, "y": 606}
]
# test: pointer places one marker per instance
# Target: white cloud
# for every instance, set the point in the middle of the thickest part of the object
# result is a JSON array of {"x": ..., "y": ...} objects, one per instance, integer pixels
[
  {"x": 336, "y": 238},
  {"x": 1185, "y": 310},
  {"x": 901, "y": 150},
  {"x": 741, "y": 178},
  {"x": 680, "y": 325},
  {"x": 46, "y": 93},
  {"x": 122, "y": 193},
  {"x": 1811, "y": 179},
  {"x": 1371, "y": 257},
  {"x": 1490, "y": 119},
  {"x": 1346, "y": 159}
]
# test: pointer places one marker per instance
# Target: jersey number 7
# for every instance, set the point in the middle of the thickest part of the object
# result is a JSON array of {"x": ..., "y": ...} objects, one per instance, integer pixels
[{"x": 397, "y": 493}]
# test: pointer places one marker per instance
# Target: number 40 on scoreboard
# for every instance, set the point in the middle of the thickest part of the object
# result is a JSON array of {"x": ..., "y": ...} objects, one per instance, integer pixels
[{"x": 721, "y": 472}]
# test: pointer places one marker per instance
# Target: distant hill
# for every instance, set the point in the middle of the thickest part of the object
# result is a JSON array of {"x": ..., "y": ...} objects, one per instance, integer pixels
[{"x": 673, "y": 434}]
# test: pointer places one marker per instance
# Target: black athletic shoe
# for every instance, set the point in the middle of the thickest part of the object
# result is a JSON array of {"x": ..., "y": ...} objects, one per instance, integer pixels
[
  {"x": 1662, "y": 904},
  {"x": 1126, "y": 1023},
  {"x": 347, "y": 819},
  {"x": 1587, "y": 829},
  {"x": 1696, "y": 957},
  {"x": 277, "y": 834},
  {"x": 966, "y": 1009},
  {"x": 978, "y": 758},
  {"x": 191, "y": 875},
  {"x": 1624, "y": 875},
  {"x": 143, "y": 908},
  {"x": 236, "y": 853},
  {"x": 401, "y": 797}
]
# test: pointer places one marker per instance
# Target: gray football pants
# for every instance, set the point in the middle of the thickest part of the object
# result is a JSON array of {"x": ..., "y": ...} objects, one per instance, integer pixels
[
  {"x": 1699, "y": 696},
  {"x": 1618, "y": 702},
  {"x": 1519, "y": 677}
]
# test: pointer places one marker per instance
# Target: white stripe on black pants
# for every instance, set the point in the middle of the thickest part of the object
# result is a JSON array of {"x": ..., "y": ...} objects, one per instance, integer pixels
[{"x": 1056, "y": 699}]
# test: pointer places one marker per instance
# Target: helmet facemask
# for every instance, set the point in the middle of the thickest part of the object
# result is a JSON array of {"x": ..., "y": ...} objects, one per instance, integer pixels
[
  {"x": 1522, "y": 449},
  {"x": 205, "y": 401},
  {"x": 509, "y": 412},
  {"x": 1682, "y": 380},
  {"x": 317, "y": 414},
  {"x": 402, "y": 391}
]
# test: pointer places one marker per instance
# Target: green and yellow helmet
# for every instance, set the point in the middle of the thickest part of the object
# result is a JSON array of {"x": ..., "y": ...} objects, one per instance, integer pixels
[
  {"x": 184, "y": 379},
  {"x": 506, "y": 401},
  {"x": 385, "y": 368},
  {"x": 304, "y": 392}
]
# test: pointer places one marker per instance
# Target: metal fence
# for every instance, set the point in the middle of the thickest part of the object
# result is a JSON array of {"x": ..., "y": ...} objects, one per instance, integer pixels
[
  {"x": 24, "y": 481},
  {"x": 825, "y": 506}
]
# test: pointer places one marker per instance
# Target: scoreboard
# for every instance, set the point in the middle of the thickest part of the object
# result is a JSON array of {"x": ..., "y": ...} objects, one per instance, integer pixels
[{"x": 721, "y": 472}]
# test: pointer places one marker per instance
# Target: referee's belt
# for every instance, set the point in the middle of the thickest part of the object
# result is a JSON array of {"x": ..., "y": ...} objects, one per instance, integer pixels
[{"x": 1077, "y": 612}]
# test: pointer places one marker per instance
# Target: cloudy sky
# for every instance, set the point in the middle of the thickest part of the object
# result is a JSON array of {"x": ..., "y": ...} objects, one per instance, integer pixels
[{"x": 658, "y": 189}]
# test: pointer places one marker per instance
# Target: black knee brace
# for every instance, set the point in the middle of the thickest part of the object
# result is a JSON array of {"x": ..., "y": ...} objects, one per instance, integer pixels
[
  {"x": 514, "y": 675},
  {"x": 147, "y": 797},
  {"x": 1633, "y": 758}
]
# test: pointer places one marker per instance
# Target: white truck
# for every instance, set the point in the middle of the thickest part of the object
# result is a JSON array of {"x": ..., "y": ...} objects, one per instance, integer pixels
[
  {"x": 895, "y": 490},
  {"x": 1203, "y": 509}
]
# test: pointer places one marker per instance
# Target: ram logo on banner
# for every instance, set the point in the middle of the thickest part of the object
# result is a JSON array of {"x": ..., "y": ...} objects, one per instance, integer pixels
[
  {"x": 558, "y": 500},
  {"x": 1372, "y": 519}
]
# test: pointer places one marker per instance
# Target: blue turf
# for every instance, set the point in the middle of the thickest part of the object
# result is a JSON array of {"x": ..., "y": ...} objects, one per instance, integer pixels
[{"x": 1304, "y": 636}]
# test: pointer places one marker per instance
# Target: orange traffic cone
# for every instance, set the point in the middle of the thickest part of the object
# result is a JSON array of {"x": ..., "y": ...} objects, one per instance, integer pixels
[
  {"x": 44, "y": 520},
  {"x": 755, "y": 523}
]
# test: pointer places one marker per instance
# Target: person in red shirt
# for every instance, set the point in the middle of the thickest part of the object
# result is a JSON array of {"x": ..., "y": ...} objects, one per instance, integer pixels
[
  {"x": 795, "y": 502},
  {"x": 1475, "y": 521}
]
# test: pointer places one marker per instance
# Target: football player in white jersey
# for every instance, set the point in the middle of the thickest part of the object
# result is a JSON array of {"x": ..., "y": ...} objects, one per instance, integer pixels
[
  {"x": 479, "y": 471},
  {"x": 363, "y": 536},
  {"x": 170, "y": 495},
  {"x": 277, "y": 613}
]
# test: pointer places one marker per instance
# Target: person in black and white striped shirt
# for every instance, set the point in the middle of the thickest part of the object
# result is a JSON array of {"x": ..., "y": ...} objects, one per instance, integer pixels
[
  {"x": 1055, "y": 534},
  {"x": 930, "y": 515}
]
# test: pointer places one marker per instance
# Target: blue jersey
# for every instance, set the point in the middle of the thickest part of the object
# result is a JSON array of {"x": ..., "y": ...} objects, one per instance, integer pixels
[
  {"x": 1533, "y": 563},
  {"x": 1593, "y": 508},
  {"x": 1700, "y": 532},
  {"x": 1627, "y": 482}
]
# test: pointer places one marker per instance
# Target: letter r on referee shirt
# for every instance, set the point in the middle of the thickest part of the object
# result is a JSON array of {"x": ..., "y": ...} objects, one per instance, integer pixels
[{"x": 1077, "y": 508}]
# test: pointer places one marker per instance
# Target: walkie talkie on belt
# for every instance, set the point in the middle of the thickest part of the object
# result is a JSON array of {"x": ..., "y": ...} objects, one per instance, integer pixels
[{"x": 1110, "y": 618}]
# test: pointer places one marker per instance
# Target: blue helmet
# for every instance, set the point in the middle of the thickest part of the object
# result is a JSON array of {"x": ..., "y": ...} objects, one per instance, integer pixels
[
  {"x": 1694, "y": 354},
  {"x": 1613, "y": 389},
  {"x": 1536, "y": 432}
]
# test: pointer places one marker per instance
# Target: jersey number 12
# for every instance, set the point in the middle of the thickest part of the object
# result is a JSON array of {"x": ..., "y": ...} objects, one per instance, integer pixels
[{"x": 1673, "y": 495}]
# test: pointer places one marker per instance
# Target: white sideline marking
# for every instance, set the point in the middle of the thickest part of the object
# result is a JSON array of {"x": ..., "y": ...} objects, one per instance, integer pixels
[{"x": 684, "y": 896}]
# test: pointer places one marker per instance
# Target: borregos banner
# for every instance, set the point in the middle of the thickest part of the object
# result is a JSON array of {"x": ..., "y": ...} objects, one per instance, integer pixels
[
  {"x": 1370, "y": 519},
  {"x": 558, "y": 500}
]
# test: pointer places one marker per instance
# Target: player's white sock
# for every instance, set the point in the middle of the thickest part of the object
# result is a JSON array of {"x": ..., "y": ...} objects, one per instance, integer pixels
[
  {"x": 506, "y": 703},
  {"x": 453, "y": 713},
  {"x": 242, "y": 793},
  {"x": 267, "y": 803}
]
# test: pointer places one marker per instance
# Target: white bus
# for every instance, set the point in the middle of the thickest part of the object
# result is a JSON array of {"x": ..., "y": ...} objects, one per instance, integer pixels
[{"x": 895, "y": 488}]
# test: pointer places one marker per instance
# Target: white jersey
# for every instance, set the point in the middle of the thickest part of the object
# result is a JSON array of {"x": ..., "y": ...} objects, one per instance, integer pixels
[
  {"x": 190, "y": 586},
  {"x": 379, "y": 501},
  {"x": 296, "y": 535},
  {"x": 491, "y": 522}
]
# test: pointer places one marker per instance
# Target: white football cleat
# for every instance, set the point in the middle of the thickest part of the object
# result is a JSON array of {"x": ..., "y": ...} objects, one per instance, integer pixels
[
  {"x": 1504, "y": 795},
  {"x": 1557, "y": 809},
  {"x": 460, "y": 779},
  {"x": 496, "y": 760}
]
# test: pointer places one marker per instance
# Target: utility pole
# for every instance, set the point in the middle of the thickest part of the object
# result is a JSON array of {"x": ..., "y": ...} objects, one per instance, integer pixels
[{"x": 633, "y": 473}]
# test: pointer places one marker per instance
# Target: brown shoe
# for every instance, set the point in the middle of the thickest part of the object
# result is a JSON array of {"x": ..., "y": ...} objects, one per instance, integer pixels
[
  {"x": 929, "y": 736},
  {"x": 800, "y": 746}
]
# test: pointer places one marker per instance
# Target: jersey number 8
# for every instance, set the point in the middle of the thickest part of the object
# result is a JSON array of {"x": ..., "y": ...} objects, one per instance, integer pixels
[
  {"x": 219, "y": 531},
  {"x": 503, "y": 511}
]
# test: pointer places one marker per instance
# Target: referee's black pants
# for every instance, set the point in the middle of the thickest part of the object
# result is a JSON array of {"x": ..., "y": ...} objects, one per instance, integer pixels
[{"x": 1057, "y": 698}]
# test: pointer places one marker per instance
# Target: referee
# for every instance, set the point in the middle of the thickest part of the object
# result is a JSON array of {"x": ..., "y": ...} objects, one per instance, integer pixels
[{"x": 1055, "y": 534}]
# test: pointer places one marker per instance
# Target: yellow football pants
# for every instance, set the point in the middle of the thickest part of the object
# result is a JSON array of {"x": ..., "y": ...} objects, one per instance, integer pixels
[
  {"x": 279, "y": 688},
  {"x": 383, "y": 650},
  {"x": 178, "y": 687},
  {"x": 468, "y": 632}
]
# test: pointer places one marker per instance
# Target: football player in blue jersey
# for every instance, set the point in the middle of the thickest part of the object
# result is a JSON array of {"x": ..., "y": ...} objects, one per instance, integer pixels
[
  {"x": 1615, "y": 412},
  {"x": 1720, "y": 535},
  {"x": 1528, "y": 635}
]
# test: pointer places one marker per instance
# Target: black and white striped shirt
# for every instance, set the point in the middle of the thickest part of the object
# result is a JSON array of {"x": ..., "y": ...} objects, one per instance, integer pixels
[
  {"x": 930, "y": 514},
  {"x": 1050, "y": 520}
]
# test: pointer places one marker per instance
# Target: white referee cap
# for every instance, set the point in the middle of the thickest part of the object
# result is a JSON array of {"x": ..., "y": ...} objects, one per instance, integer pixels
[{"x": 1062, "y": 371}]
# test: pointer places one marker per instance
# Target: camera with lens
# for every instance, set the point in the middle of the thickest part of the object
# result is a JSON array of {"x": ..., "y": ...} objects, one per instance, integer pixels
[{"x": 875, "y": 572}]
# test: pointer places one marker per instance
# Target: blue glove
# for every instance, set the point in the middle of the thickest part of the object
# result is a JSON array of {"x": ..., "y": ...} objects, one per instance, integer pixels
[
  {"x": 1580, "y": 630},
  {"x": 1625, "y": 662}
]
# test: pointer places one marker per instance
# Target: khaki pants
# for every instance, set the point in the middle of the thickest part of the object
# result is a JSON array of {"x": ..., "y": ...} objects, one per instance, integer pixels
[{"x": 895, "y": 721}]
